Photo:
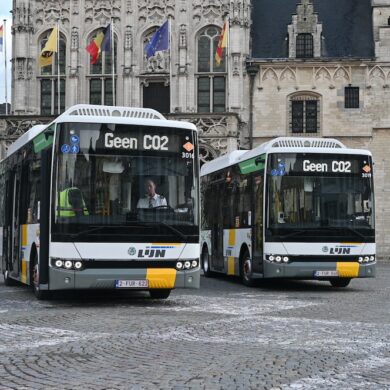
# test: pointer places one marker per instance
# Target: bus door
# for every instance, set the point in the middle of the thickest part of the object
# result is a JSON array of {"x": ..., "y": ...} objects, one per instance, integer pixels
[
  {"x": 257, "y": 224},
  {"x": 11, "y": 244},
  {"x": 217, "y": 261}
]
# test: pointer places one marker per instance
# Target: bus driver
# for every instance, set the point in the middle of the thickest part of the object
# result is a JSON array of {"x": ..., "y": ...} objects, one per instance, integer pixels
[{"x": 151, "y": 199}]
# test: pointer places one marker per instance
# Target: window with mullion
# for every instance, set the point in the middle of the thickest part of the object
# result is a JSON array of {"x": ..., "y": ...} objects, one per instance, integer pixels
[
  {"x": 100, "y": 88},
  {"x": 49, "y": 80},
  {"x": 304, "y": 46},
  {"x": 211, "y": 88},
  {"x": 351, "y": 97}
]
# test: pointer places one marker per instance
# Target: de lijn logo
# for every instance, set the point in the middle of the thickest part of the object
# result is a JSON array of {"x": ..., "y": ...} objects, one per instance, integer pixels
[
  {"x": 338, "y": 250},
  {"x": 147, "y": 253}
]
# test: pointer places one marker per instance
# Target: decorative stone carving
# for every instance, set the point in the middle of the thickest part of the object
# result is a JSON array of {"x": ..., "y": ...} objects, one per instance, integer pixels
[
  {"x": 158, "y": 63},
  {"x": 49, "y": 11},
  {"x": 305, "y": 22},
  {"x": 128, "y": 38},
  {"x": 376, "y": 76},
  {"x": 75, "y": 7},
  {"x": 102, "y": 11},
  {"x": 236, "y": 64},
  {"x": 183, "y": 37},
  {"x": 208, "y": 11},
  {"x": 240, "y": 13},
  {"x": 74, "y": 44},
  {"x": 155, "y": 11},
  {"x": 207, "y": 152}
]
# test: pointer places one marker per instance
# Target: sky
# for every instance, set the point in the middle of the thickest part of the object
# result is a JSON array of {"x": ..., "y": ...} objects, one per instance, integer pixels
[{"x": 5, "y": 8}]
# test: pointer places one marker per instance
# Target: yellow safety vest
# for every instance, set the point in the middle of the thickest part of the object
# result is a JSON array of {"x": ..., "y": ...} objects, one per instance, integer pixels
[{"x": 65, "y": 208}]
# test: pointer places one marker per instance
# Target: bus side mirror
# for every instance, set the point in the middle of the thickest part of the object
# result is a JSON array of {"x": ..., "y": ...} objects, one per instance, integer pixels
[{"x": 49, "y": 133}]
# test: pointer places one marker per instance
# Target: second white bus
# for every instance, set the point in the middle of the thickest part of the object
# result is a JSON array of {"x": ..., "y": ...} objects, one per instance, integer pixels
[{"x": 298, "y": 208}]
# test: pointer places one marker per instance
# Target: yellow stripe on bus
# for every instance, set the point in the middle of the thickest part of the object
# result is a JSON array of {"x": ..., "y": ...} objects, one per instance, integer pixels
[
  {"x": 348, "y": 270},
  {"x": 232, "y": 237},
  {"x": 230, "y": 265},
  {"x": 23, "y": 276},
  {"x": 24, "y": 235},
  {"x": 161, "y": 277}
]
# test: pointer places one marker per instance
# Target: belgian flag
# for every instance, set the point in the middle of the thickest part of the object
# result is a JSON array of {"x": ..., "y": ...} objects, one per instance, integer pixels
[{"x": 102, "y": 42}]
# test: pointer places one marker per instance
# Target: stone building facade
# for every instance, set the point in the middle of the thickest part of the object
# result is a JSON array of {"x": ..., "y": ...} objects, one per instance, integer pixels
[
  {"x": 186, "y": 76},
  {"x": 330, "y": 93},
  {"x": 292, "y": 68}
]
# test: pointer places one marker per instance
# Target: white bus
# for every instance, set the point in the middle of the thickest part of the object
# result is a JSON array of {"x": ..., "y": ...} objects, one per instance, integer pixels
[
  {"x": 102, "y": 198},
  {"x": 299, "y": 208}
]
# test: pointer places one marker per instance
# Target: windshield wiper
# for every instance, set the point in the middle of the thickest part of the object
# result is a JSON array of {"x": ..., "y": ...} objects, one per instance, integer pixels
[
  {"x": 97, "y": 228},
  {"x": 296, "y": 233},
  {"x": 169, "y": 227},
  {"x": 352, "y": 231}
]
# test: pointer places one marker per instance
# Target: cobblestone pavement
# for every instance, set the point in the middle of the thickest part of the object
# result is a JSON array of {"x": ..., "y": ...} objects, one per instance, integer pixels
[{"x": 285, "y": 335}]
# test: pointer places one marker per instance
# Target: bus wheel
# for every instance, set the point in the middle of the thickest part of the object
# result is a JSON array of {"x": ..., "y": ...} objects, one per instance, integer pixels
[
  {"x": 340, "y": 282},
  {"x": 206, "y": 262},
  {"x": 246, "y": 270},
  {"x": 160, "y": 293},
  {"x": 8, "y": 281},
  {"x": 39, "y": 294}
]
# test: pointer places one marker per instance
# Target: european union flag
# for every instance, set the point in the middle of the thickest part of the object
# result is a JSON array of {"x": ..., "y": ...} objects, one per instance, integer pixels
[{"x": 159, "y": 41}]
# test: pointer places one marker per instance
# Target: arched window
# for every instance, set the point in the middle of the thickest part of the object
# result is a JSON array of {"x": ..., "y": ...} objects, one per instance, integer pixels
[
  {"x": 101, "y": 75},
  {"x": 304, "y": 114},
  {"x": 211, "y": 77},
  {"x": 49, "y": 78},
  {"x": 304, "y": 47}
]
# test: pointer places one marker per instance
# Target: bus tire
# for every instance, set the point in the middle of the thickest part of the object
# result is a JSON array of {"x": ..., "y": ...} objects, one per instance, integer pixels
[
  {"x": 340, "y": 282},
  {"x": 159, "y": 293},
  {"x": 8, "y": 281},
  {"x": 246, "y": 269},
  {"x": 39, "y": 294},
  {"x": 206, "y": 262}
]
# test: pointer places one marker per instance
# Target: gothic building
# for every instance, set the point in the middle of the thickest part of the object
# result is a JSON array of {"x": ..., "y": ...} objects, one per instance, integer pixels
[
  {"x": 322, "y": 68},
  {"x": 184, "y": 82},
  {"x": 292, "y": 68}
]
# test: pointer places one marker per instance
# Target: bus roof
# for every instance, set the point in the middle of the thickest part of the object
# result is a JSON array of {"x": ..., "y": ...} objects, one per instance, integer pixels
[
  {"x": 88, "y": 113},
  {"x": 281, "y": 145}
]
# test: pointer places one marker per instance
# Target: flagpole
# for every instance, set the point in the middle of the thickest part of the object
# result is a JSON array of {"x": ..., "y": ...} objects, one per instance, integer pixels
[
  {"x": 227, "y": 63},
  {"x": 5, "y": 65},
  {"x": 113, "y": 60},
  {"x": 170, "y": 64},
  {"x": 58, "y": 69}
]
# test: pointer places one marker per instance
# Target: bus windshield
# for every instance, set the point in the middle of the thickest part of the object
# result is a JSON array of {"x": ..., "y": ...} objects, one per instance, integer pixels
[
  {"x": 135, "y": 182},
  {"x": 322, "y": 193}
]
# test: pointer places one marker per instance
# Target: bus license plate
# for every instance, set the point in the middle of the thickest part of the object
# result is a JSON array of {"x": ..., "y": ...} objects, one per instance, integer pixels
[
  {"x": 131, "y": 283},
  {"x": 322, "y": 274}
]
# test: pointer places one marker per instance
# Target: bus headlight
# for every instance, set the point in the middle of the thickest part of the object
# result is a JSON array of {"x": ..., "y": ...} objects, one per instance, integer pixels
[
  {"x": 78, "y": 265},
  {"x": 285, "y": 259},
  {"x": 366, "y": 259},
  {"x": 360, "y": 260},
  {"x": 372, "y": 258},
  {"x": 271, "y": 258},
  {"x": 187, "y": 264},
  {"x": 68, "y": 264},
  {"x": 179, "y": 265},
  {"x": 194, "y": 264},
  {"x": 59, "y": 263},
  {"x": 278, "y": 259}
]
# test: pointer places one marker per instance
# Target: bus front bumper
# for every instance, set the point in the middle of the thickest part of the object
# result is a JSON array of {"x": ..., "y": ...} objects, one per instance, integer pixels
[
  {"x": 158, "y": 278},
  {"x": 306, "y": 270}
]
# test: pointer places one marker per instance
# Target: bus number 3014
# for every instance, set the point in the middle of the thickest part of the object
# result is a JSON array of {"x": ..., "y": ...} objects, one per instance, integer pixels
[{"x": 187, "y": 155}]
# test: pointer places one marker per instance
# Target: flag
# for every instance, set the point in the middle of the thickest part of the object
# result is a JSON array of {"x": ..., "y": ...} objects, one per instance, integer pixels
[
  {"x": 1, "y": 38},
  {"x": 222, "y": 43},
  {"x": 46, "y": 57},
  {"x": 159, "y": 41},
  {"x": 102, "y": 42}
]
